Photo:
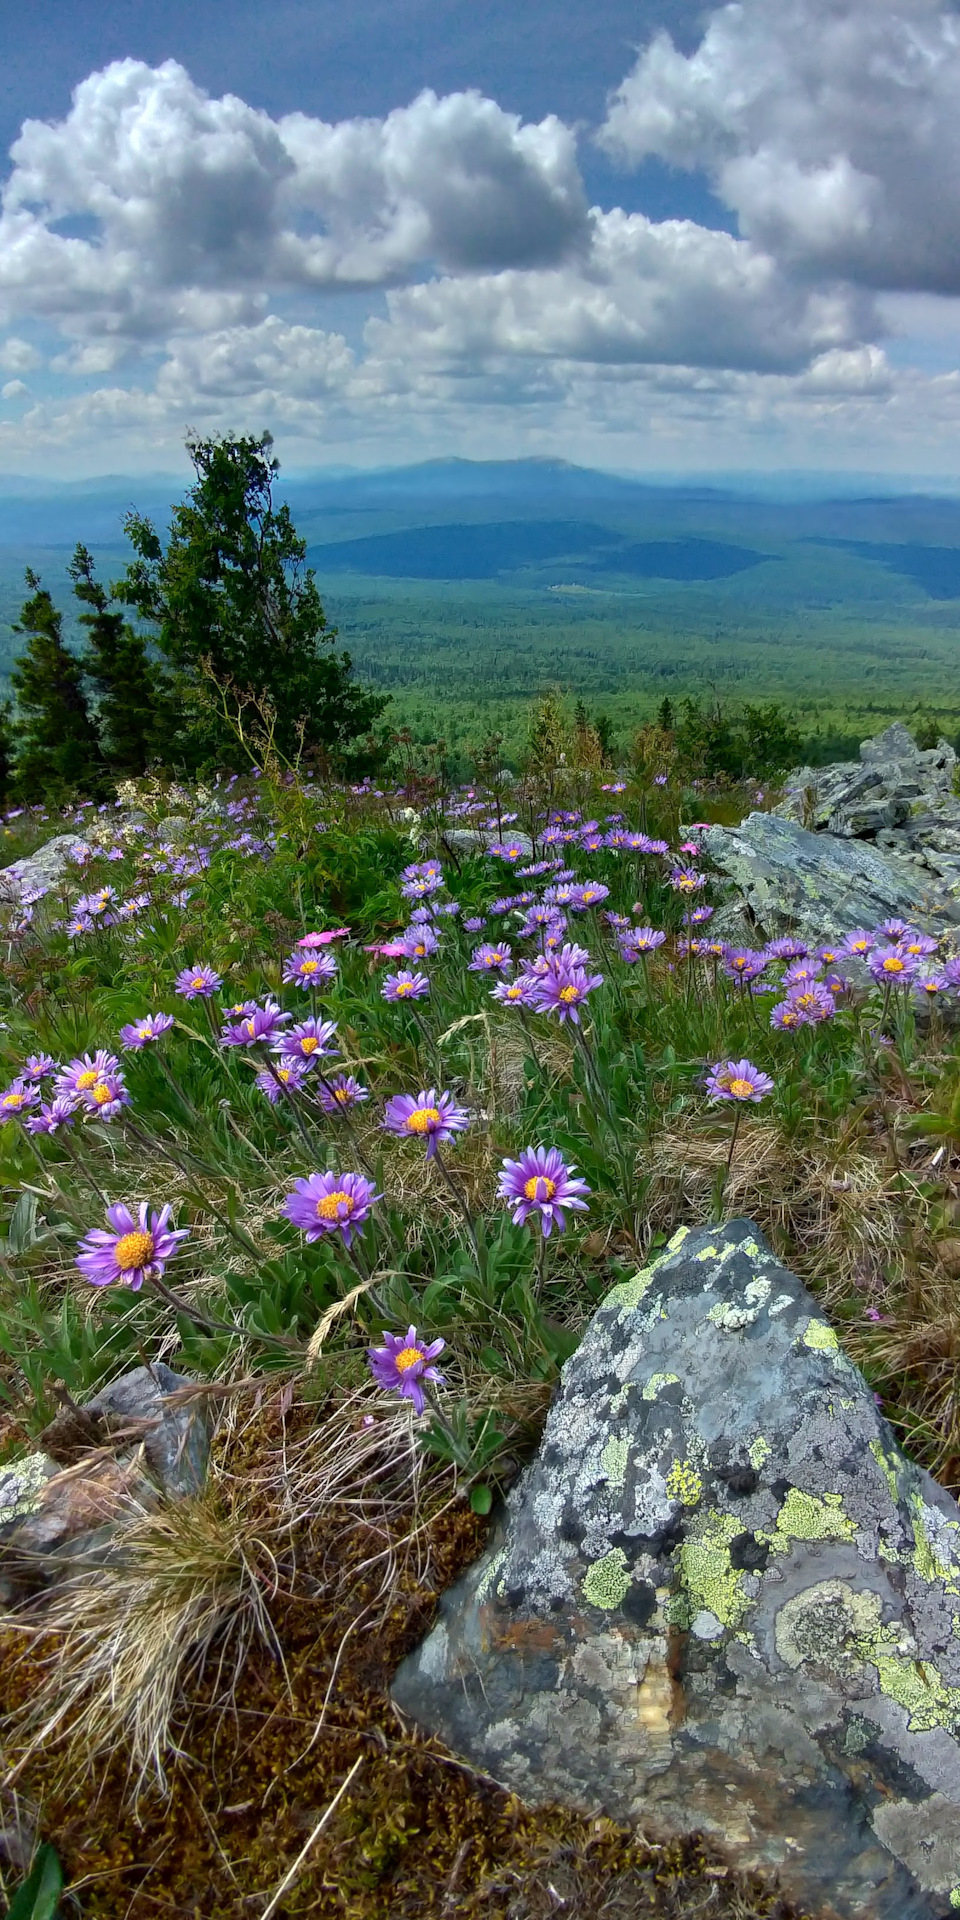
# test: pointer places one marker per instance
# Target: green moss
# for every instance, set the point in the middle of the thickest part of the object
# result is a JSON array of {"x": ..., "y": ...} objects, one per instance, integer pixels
[
  {"x": 606, "y": 1582},
  {"x": 810, "y": 1516},
  {"x": 613, "y": 1460},
  {"x": 708, "y": 1579}
]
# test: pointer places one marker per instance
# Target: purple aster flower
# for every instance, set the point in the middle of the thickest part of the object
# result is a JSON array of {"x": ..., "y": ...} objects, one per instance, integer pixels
[
  {"x": 419, "y": 886},
  {"x": 78, "y": 1078},
  {"x": 640, "y": 940},
  {"x": 490, "y": 958},
  {"x": 405, "y": 986},
  {"x": 540, "y": 1182},
  {"x": 788, "y": 948},
  {"x": 801, "y": 973},
  {"x": 620, "y": 922},
  {"x": 309, "y": 1041},
  {"x": 829, "y": 954},
  {"x": 197, "y": 983},
  {"x": 515, "y": 993},
  {"x": 836, "y": 984},
  {"x": 546, "y": 915},
  {"x": 104, "y": 1100},
  {"x": 892, "y": 964},
  {"x": 509, "y": 850},
  {"x": 78, "y": 925},
  {"x": 813, "y": 1003},
  {"x": 700, "y": 916},
  {"x": 445, "y": 907},
  {"x": 403, "y": 1363},
  {"x": 427, "y": 1116},
  {"x": 139, "y": 1033},
  {"x": 475, "y": 924},
  {"x": 931, "y": 986},
  {"x": 856, "y": 945},
  {"x": 18, "y": 1098},
  {"x": 591, "y": 894},
  {"x": 59, "y": 1113},
  {"x": 738, "y": 1080},
  {"x": 39, "y": 1067},
  {"x": 951, "y": 969},
  {"x": 331, "y": 1203},
  {"x": 309, "y": 969},
  {"x": 564, "y": 988},
  {"x": 133, "y": 1251},
  {"x": 418, "y": 943},
  {"x": 894, "y": 930},
  {"x": 786, "y": 1015},
  {"x": 288, "y": 1072},
  {"x": 263, "y": 1024},
  {"x": 743, "y": 963},
  {"x": 241, "y": 1009},
  {"x": 341, "y": 1093},
  {"x": 659, "y": 779},
  {"x": 422, "y": 915},
  {"x": 919, "y": 944}
]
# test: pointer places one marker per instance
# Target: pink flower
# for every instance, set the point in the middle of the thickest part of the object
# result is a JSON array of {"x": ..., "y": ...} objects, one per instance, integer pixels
[{"x": 323, "y": 939}]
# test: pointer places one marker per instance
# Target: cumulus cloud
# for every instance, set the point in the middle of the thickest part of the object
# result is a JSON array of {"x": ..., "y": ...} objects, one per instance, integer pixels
[
  {"x": 670, "y": 292},
  {"x": 154, "y": 205},
  {"x": 830, "y": 127}
]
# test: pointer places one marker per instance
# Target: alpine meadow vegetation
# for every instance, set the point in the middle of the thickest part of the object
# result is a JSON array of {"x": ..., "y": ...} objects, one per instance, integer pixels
[{"x": 349, "y": 1093}]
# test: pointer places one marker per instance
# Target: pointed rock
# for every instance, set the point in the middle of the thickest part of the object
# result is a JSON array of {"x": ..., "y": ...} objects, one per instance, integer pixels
[{"x": 721, "y": 1598}]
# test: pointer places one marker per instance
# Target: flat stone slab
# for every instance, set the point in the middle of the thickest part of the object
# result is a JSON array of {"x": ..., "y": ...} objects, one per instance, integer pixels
[
  {"x": 721, "y": 1599},
  {"x": 791, "y": 878}
]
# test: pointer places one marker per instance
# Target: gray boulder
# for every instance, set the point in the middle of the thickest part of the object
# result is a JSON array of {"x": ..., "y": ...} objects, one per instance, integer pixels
[
  {"x": 788, "y": 877},
  {"x": 721, "y": 1599},
  {"x": 176, "y": 1440},
  {"x": 44, "y": 868}
]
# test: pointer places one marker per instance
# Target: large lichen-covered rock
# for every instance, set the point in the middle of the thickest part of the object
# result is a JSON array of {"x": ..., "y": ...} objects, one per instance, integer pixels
[
  {"x": 721, "y": 1598},
  {"x": 789, "y": 877}
]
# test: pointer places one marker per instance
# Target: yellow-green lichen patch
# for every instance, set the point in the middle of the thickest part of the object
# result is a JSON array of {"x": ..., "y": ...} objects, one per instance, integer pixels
[
  {"x": 630, "y": 1292},
  {"x": 917, "y": 1686},
  {"x": 708, "y": 1581},
  {"x": 759, "y": 1452},
  {"x": 927, "y": 1559},
  {"x": 731, "y": 1318},
  {"x": 607, "y": 1581},
  {"x": 888, "y": 1466},
  {"x": 619, "y": 1400},
  {"x": 613, "y": 1461},
  {"x": 656, "y": 1382},
  {"x": 828, "y": 1624},
  {"x": 21, "y": 1484},
  {"x": 820, "y": 1337},
  {"x": 955, "y": 1896},
  {"x": 810, "y": 1516},
  {"x": 684, "y": 1483},
  {"x": 488, "y": 1576},
  {"x": 708, "y": 1253}
]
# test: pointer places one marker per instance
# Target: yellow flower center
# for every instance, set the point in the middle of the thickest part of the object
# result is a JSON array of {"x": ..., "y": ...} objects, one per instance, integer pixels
[
  {"x": 741, "y": 1089},
  {"x": 540, "y": 1187},
  {"x": 87, "y": 1080},
  {"x": 892, "y": 964},
  {"x": 405, "y": 987},
  {"x": 309, "y": 1043},
  {"x": 198, "y": 980},
  {"x": 789, "y": 1018},
  {"x": 144, "y": 1033},
  {"x": 283, "y": 1073},
  {"x": 102, "y": 1094},
  {"x": 806, "y": 1000},
  {"x": 309, "y": 966},
  {"x": 334, "y": 1205},
  {"x": 133, "y": 1250},
  {"x": 422, "y": 1120},
  {"x": 408, "y": 1357},
  {"x": 343, "y": 1095},
  {"x": 251, "y": 1028},
  {"x": 515, "y": 992},
  {"x": 14, "y": 1099},
  {"x": 569, "y": 993}
]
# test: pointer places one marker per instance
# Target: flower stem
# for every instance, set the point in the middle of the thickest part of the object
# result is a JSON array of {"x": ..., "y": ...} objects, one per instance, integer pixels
[{"x": 461, "y": 1203}]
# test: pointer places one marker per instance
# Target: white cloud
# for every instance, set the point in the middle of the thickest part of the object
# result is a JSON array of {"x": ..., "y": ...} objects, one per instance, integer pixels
[
  {"x": 153, "y": 205},
  {"x": 831, "y": 127},
  {"x": 18, "y": 356},
  {"x": 269, "y": 362},
  {"x": 672, "y": 292},
  {"x": 13, "y": 389}
]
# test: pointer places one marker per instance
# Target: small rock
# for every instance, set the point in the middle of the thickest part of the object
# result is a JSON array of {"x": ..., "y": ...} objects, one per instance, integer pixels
[
  {"x": 721, "y": 1599},
  {"x": 176, "y": 1442}
]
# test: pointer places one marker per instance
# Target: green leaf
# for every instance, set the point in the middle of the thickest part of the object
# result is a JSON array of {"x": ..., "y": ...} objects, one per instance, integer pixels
[
  {"x": 481, "y": 1499},
  {"x": 37, "y": 1898}
]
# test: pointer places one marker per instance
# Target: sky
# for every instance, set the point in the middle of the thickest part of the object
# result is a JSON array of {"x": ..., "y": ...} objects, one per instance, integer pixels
[{"x": 637, "y": 234}]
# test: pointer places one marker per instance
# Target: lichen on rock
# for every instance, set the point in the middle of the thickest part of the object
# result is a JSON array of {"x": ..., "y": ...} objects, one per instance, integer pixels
[{"x": 721, "y": 1597}]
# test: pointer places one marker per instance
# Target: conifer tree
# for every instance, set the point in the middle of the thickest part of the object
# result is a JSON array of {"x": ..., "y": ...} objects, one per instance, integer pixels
[
  {"x": 230, "y": 597},
  {"x": 132, "y": 689},
  {"x": 56, "y": 745}
]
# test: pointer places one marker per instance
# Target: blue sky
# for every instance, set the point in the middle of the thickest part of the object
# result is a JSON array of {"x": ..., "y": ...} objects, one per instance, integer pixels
[{"x": 645, "y": 235}]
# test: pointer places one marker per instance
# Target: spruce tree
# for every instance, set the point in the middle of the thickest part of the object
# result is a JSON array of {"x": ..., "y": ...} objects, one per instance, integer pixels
[
  {"x": 57, "y": 750},
  {"x": 231, "y": 600},
  {"x": 132, "y": 689}
]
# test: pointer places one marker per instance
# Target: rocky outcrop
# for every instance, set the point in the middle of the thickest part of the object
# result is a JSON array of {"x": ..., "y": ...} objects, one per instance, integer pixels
[
  {"x": 42, "y": 869},
  {"x": 786, "y": 877},
  {"x": 897, "y": 795},
  {"x": 121, "y": 1453},
  {"x": 721, "y": 1598}
]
